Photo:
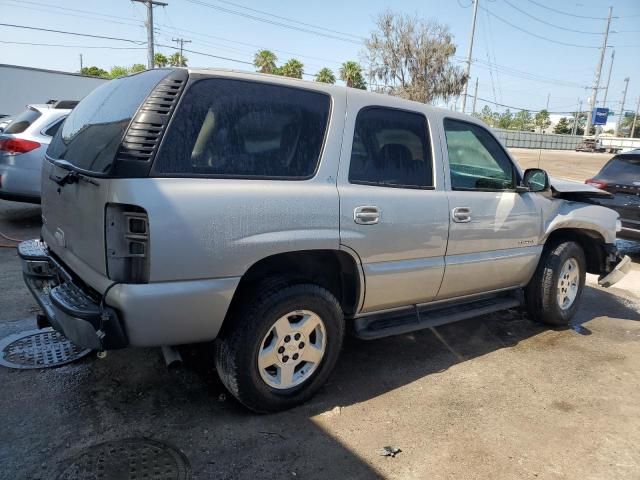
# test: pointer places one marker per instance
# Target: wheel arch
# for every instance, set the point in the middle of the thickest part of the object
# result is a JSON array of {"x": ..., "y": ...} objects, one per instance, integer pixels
[
  {"x": 338, "y": 271},
  {"x": 591, "y": 241}
]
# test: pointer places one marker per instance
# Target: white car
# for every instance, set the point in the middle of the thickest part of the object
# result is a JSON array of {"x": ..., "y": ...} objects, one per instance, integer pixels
[{"x": 22, "y": 147}]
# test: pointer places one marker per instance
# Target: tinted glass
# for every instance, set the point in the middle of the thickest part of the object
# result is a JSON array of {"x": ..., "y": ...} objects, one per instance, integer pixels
[
  {"x": 91, "y": 134},
  {"x": 23, "y": 121},
  {"x": 51, "y": 131},
  {"x": 245, "y": 129},
  {"x": 391, "y": 148},
  {"x": 622, "y": 168},
  {"x": 476, "y": 159}
]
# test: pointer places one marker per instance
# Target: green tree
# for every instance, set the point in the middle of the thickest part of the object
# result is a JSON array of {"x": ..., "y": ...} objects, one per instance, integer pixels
[
  {"x": 160, "y": 60},
  {"x": 94, "y": 72},
  {"x": 413, "y": 58},
  {"x": 175, "y": 60},
  {"x": 118, "y": 71},
  {"x": 325, "y": 76},
  {"x": 522, "y": 120},
  {"x": 265, "y": 61},
  {"x": 626, "y": 125},
  {"x": 542, "y": 120},
  {"x": 486, "y": 115},
  {"x": 562, "y": 127},
  {"x": 505, "y": 120},
  {"x": 137, "y": 67},
  {"x": 351, "y": 74},
  {"x": 293, "y": 68}
]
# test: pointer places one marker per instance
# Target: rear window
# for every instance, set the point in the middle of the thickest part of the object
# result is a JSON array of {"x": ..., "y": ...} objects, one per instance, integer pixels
[
  {"x": 623, "y": 168},
  {"x": 91, "y": 134},
  {"x": 236, "y": 128},
  {"x": 23, "y": 121}
]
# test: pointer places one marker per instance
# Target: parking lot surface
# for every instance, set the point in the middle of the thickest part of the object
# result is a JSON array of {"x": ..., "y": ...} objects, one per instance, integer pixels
[{"x": 493, "y": 397}]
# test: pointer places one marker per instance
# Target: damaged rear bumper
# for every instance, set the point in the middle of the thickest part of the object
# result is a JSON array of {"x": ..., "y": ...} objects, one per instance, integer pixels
[{"x": 69, "y": 306}]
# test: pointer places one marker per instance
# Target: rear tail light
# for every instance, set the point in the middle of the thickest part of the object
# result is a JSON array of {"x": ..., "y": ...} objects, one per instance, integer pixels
[
  {"x": 597, "y": 183},
  {"x": 127, "y": 235},
  {"x": 17, "y": 145}
]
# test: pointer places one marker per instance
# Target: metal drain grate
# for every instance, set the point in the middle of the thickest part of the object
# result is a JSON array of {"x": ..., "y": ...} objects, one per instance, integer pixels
[
  {"x": 133, "y": 458},
  {"x": 38, "y": 349}
]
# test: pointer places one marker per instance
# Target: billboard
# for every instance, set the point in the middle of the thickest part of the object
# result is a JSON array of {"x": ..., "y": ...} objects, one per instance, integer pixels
[{"x": 600, "y": 116}]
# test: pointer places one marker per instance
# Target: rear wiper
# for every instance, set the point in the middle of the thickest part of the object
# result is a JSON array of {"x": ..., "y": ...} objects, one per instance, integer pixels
[{"x": 72, "y": 176}]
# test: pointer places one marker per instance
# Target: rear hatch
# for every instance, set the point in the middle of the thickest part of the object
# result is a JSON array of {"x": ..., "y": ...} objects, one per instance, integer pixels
[
  {"x": 111, "y": 134},
  {"x": 621, "y": 177}
]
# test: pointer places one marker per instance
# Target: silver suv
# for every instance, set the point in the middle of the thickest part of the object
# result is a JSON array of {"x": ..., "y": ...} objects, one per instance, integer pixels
[{"x": 272, "y": 215}]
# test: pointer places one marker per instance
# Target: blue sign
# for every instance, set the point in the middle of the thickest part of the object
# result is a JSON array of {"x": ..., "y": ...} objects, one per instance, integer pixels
[{"x": 600, "y": 116}]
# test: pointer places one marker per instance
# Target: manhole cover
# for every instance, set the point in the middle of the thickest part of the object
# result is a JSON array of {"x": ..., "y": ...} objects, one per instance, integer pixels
[
  {"x": 38, "y": 349},
  {"x": 134, "y": 458}
]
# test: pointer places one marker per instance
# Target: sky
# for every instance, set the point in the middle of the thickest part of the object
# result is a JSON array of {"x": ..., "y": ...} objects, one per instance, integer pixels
[{"x": 555, "y": 61}]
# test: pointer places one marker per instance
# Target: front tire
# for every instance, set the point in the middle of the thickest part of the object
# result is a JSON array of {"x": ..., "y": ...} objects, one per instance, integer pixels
[
  {"x": 554, "y": 293},
  {"x": 281, "y": 347}
]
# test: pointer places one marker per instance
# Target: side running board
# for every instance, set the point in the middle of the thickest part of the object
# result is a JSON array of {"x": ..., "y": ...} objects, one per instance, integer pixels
[{"x": 409, "y": 320}]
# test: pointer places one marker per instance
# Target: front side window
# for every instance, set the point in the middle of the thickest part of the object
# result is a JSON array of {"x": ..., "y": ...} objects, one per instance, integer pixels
[
  {"x": 236, "y": 128},
  {"x": 476, "y": 159},
  {"x": 391, "y": 149}
]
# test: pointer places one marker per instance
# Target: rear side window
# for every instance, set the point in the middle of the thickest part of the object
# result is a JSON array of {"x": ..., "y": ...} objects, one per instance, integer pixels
[
  {"x": 622, "y": 168},
  {"x": 391, "y": 149},
  {"x": 91, "y": 134},
  {"x": 236, "y": 128},
  {"x": 53, "y": 129},
  {"x": 23, "y": 121}
]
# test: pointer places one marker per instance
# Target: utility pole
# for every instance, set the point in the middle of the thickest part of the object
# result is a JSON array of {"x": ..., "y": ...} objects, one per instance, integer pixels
[
  {"x": 475, "y": 96},
  {"x": 596, "y": 81},
  {"x": 624, "y": 97},
  {"x": 150, "y": 4},
  {"x": 548, "y": 98},
  {"x": 180, "y": 41},
  {"x": 80, "y": 63},
  {"x": 606, "y": 89},
  {"x": 473, "y": 31},
  {"x": 635, "y": 119},
  {"x": 574, "y": 130}
]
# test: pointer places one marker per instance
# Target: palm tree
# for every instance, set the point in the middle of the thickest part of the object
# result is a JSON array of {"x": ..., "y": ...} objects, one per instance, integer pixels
[
  {"x": 325, "y": 76},
  {"x": 265, "y": 61},
  {"x": 293, "y": 68},
  {"x": 177, "y": 60},
  {"x": 160, "y": 60},
  {"x": 351, "y": 74}
]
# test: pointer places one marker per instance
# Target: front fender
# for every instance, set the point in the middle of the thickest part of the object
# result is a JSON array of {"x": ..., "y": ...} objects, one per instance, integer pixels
[{"x": 582, "y": 216}]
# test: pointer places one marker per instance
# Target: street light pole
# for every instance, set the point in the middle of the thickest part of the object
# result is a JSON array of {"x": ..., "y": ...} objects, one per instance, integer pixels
[
  {"x": 473, "y": 31},
  {"x": 596, "y": 82},
  {"x": 150, "y": 4},
  {"x": 606, "y": 89},
  {"x": 635, "y": 118},
  {"x": 475, "y": 97},
  {"x": 624, "y": 97}
]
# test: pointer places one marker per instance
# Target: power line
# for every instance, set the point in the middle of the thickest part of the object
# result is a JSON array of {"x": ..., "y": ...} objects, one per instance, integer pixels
[
  {"x": 207, "y": 54},
  {"x": 289, "y": 19},
  {"x": 524, "y": 12},
  {"x": 55, "y": 8},
  {"x": 71, "y": 33},
  {"x": 71, "y": 46},
  {"x": 272, "y": 22},
  {"x": 565, "y": 13},
  {"x": 535, "y": 34}
]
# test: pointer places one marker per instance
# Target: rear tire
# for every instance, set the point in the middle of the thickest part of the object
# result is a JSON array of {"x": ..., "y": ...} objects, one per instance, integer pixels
[
  {"x": 281, "y": 347},
  {"x": 553, "y": 294}
]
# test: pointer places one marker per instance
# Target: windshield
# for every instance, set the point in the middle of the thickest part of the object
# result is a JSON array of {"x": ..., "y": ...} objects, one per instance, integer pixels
[{"x": 91, "y": 134}]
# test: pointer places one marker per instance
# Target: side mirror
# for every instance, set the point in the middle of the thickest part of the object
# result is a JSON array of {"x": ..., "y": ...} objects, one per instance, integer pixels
[{"x": 535, "y": 180}]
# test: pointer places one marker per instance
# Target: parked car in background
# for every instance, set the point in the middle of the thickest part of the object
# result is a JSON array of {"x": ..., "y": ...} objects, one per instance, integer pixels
[
  {"x": 621, "y": 177},
  {"x": 272, "y": 215},
  {"x": 23, "y": 144}
]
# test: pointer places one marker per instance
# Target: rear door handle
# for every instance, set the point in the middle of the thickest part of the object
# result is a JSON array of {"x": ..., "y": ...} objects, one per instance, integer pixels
[
  {"x": 366, "y": 215},
  {"x": 461, "y": 214}
]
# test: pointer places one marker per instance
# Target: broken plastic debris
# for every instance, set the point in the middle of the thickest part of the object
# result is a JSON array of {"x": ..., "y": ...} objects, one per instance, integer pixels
[{"x": 389, "y": 451}]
